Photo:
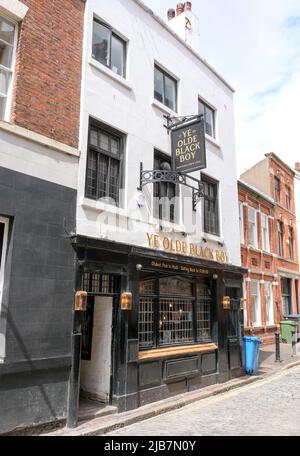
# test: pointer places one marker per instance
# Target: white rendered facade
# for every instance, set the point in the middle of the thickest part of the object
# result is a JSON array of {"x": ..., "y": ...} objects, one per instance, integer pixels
[{"x": 128, "y": 106}]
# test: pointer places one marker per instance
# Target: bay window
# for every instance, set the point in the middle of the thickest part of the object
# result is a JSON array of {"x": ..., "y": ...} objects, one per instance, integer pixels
[{"x": 173, "y": 311}]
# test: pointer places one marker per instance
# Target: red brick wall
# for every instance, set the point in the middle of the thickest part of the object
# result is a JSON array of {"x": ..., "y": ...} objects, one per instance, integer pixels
[{"x": 46, "y": 93}]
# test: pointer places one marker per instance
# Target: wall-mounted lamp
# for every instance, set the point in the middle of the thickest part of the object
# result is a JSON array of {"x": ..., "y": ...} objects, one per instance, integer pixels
[
  {"x": 226, "y": 302},
  {"x": 139, "y": 267},
  {"x": 126, "y": 301},
  {"x": 215, "y": 276},
  {"x": 80, "y": 303},
  {"x": 243, "y": 303}
]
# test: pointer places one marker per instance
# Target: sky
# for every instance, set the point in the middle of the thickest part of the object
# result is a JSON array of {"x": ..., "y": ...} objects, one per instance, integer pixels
[{"x": 255, "y": 46}]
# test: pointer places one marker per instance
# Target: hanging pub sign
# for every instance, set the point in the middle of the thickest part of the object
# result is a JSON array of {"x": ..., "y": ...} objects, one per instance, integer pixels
[{"x": 188, "y": 147}]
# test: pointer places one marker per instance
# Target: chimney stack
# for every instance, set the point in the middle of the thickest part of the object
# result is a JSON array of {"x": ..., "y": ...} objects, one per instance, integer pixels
[
  {"x": 171, "y": 14},
  {"x": 188, "y": 6},
  {"x": 179, "y": 8}
]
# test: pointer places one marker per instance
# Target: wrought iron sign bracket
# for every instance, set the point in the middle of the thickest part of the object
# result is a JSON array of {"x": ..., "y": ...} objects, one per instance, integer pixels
[
  {"x": 174, "y": 122},
  {"x": 156, "y": 176}
]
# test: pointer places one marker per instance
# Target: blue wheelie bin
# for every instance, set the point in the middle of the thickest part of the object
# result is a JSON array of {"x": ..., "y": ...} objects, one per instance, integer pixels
[{"x": 251, "y": 352}]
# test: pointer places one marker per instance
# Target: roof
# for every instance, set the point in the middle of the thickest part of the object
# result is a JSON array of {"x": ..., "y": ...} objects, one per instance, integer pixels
[
  {"x": 256, "y": 191},
  {"x": 166, "y": 27},
  {"x": 272, "y": 155}
]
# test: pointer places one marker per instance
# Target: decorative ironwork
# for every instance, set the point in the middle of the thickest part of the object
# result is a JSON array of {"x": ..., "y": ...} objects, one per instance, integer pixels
[
  {"x": 174, "y": 122},
  {"x": 154, "y": 176}
]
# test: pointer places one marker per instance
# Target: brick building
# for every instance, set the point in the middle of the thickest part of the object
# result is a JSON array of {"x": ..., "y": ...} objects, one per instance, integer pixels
[
  {"x": 40, "y": 82},
  {"x": 269, "y": 246}
]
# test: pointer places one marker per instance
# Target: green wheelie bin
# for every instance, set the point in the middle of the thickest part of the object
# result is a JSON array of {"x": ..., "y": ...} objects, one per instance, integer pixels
[{"x": 287, "y": 327}]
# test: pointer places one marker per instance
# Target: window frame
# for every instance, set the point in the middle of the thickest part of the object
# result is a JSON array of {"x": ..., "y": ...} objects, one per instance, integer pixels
[
  {"x": 255, "y": 243},
  {"x": 162, "y": 156},
  {"x": 280, "y": 236},
  {"x": 277, "y": 189},
  {"x": 11, "y": 71},
  {"x": 241, "y": 222},
  {"x": 271, "y": 303},
  {"x": 265, "y": 248},
  {"x": 286, "y": 296},
  {"x": 112, "y": 35},
  {"x": 121, "y": 159},
  {"x": 210, "y": 181},
  {"x": 291, "y": 243},
  {"x": 172, "y": 78},
  {"x": 288, "y": 197},
  {"x": 258, "y": 303},
  {"x": 214, "y": 112},
  {"x": 5, "y": 222},
  {"x": 157, "y": 295}
]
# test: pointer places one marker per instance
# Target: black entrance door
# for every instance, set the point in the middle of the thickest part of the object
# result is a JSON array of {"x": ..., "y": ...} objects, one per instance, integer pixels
[{"x": 234, "y": 332}]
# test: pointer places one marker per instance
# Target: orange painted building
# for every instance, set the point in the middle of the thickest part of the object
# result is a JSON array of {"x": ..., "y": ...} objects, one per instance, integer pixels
[{"x": 269, "y": 247}]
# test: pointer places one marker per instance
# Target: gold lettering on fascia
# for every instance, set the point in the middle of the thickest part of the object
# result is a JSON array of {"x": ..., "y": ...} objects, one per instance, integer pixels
[{"x": 185, "y": 248}]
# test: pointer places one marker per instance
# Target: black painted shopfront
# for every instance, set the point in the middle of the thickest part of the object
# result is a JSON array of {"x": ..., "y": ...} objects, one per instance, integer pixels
[{"x": 177, "y": 337}]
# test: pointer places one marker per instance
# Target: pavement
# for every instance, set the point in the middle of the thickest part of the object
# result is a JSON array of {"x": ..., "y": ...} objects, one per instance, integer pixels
[{"x": 268, "y": 368}]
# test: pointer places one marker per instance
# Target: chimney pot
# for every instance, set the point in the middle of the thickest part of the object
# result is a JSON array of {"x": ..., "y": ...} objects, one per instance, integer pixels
[
  {"x": 188, "y": 6},
  {"x": 171, "y": 14},
  {"x": 179, "y": 8}
]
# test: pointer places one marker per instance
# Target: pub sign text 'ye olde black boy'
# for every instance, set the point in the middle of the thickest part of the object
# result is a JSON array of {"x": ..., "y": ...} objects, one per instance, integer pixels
[{"x": 188, "y": 147}]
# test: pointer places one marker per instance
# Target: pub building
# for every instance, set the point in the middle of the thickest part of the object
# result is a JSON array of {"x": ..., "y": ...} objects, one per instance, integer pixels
[{"x": 157, "y": 237}]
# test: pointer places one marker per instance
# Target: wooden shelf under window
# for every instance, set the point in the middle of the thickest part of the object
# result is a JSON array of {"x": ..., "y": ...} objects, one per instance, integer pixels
[{"x": 174, "y": 351}]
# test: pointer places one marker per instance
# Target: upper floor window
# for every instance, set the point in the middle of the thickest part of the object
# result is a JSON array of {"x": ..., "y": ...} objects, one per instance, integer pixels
[
  {"x": 7, "y": 44},
  {"x": 288, "y": 197},
  {"x": 277, "y": 189},
  {"x": 209, "y": 117},
  {"x": 164, "y": 193},
  {"x": 211, "y": 206},
  {"x": 265, "y": 237},
  {"x": 241, "y": 222},
  {"x": 291, "y": 242},
  {"x": 108, "y": 48},
  {"x": 165, "y": 88},
  {"x": 105, "y": 152},
  {"x": 280, "y": 239},
  {"x": 3, "y": 248},
  {"x": 252, "y": 227}
]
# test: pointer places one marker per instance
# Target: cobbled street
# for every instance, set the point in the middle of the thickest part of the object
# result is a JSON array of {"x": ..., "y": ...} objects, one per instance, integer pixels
[{"x": 266, "y": 408}]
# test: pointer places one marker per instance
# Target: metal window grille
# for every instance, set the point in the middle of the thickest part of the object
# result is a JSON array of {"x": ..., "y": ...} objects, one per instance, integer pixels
[
  {"x": 168, "y": 319},
  {"x": 204, "y": 302},
  {"x": 100, "y": 283},
  {"x": 146, "y": 322},
  {"x": 103, "y": 165},
  {"x": 175, "y": 321}
]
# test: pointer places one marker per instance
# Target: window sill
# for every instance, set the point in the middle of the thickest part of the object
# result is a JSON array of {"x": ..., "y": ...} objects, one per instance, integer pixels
[
  {"x": 111, "y": 74},
  {"x": 213, "y": 238},
  {"x": 176, "y": 351},
  {"x": 163, "y": 108},
  {"x": 13, "y": 9},
  {"x": 212, "y": 140},
  {"x": 101, "y": 206}
]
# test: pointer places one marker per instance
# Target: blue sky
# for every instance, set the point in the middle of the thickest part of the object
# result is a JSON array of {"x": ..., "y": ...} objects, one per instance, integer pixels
[{"x": 255, "y": 45}]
